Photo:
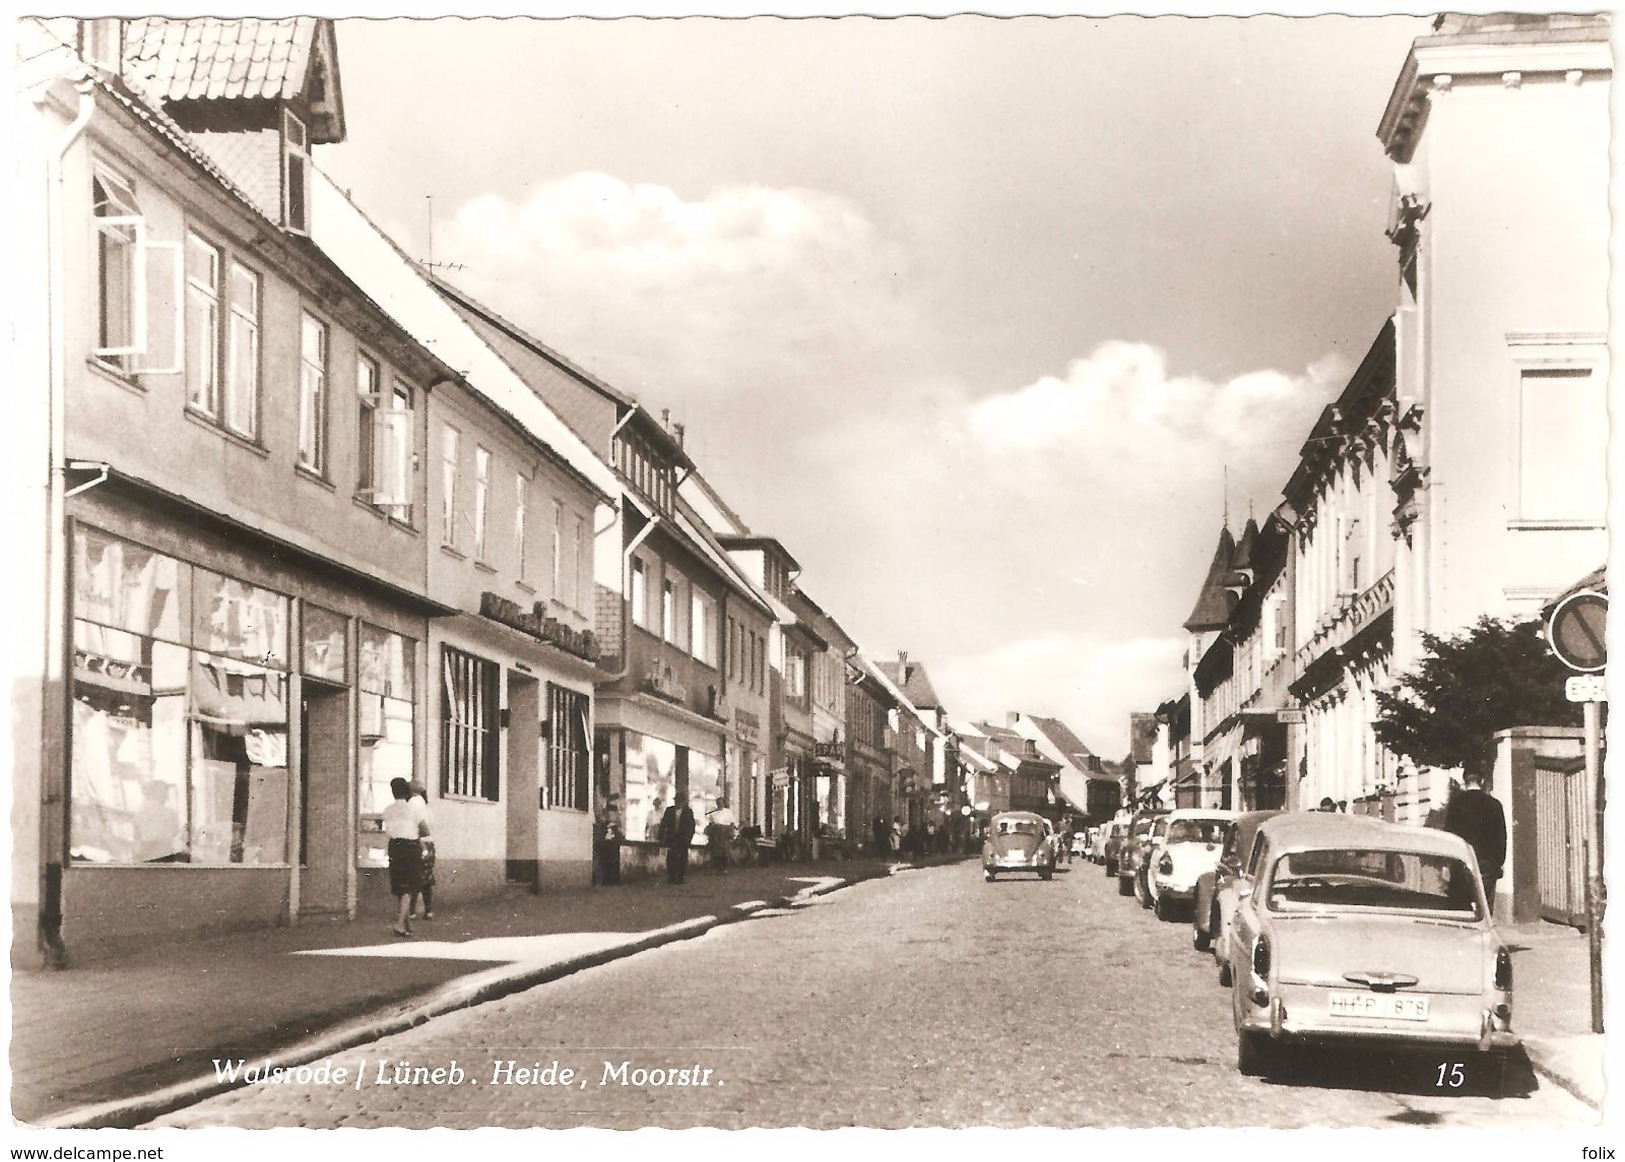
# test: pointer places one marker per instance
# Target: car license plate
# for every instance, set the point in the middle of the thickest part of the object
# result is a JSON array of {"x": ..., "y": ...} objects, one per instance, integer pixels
[{"x": 1394, "y": 1006}]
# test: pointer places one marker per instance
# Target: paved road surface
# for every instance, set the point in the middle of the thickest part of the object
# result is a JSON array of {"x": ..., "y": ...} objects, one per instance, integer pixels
[{"x": 930, "y": 999}]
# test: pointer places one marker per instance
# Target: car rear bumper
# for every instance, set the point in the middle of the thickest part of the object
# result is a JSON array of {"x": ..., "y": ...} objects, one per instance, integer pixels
[{"x": 1465, "y": 1022}]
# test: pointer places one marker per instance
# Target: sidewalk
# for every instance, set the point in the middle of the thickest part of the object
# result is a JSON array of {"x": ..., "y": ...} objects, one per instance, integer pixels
[
  {"x": 118, "y": 1041},
  {"x": 1551, "y": 975}
]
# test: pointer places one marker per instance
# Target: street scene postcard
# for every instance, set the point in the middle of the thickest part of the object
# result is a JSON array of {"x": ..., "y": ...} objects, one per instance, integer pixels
[{"x": 1005, "y": 573}]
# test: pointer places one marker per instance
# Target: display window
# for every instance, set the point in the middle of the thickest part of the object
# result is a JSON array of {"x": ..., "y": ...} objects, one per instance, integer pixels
[
  {"x": 384, "y": 666},
  {"x": 180, "y": 712},
  {"x": 651, "y": 781}
]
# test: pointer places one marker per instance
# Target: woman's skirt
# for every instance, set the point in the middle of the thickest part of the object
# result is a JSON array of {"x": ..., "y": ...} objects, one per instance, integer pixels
[{"x": 405, "y": 867}]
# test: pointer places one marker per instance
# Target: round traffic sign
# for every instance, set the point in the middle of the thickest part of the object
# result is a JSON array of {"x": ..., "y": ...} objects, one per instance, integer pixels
[{"x": 1578, "y": 631}]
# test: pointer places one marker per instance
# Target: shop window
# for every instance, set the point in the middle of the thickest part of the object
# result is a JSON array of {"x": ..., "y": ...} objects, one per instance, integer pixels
[
  {"x": 384, "y": 681},
  {"x": 469, "y": 739},
  {"x": 568, "y": 750},
  {"x": 313, "y": 342},
  {"x": 180, "y": 712}
]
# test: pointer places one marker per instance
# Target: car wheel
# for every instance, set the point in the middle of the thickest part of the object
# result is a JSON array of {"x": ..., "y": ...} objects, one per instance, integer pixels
[
  {"x": 1200, "y": 940},
  {"x": 1142, "y": 892},
  {"x": 1125, "y": 886},
  {"x": 1224, "y": 974},
  {"x": 1044, "y": 873},
  {"x": 987, "y": 876},
  {"x": 1111, "y": 867},
  {"x": 1253, "y": 1053},
  {"x": 1164, "y": 909}
]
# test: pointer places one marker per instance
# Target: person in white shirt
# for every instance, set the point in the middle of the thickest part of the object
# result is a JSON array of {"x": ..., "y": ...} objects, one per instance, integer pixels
[
  {"x": 404, "y": 824},
  {"x": 719, "y": 834}
]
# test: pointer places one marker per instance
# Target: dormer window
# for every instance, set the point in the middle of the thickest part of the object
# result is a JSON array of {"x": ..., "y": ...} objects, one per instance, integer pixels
[{"x": 295, "y": 174}]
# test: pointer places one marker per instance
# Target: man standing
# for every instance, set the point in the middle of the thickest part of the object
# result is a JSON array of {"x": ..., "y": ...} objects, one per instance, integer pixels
[
  {"x": 676, "y": 831},
  {"x": 1475, "y": 815}
]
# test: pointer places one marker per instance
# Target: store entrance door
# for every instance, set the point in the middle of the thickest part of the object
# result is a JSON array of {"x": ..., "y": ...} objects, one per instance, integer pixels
[{"x": 324, "y": 797}]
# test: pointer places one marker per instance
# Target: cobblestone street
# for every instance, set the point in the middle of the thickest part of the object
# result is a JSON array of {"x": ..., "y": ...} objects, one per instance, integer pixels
[{"x": 929, "y": 999}]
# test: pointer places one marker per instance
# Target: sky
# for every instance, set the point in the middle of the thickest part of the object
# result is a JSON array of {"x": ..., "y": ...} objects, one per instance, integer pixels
[{"x": 993, "y": 323}]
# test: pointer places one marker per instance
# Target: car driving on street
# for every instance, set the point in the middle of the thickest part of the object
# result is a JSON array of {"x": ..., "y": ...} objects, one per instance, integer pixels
[{"x": 1018, "y": 841}]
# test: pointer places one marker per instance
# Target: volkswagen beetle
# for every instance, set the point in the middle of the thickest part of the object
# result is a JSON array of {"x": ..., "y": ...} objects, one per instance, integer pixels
[
  {"x": 1358, "y": 931},
  {"x": 1018, "y": 841}
]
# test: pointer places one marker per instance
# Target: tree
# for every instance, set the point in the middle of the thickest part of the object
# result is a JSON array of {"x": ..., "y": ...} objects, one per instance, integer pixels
[{"x": 1491, "y": 677}]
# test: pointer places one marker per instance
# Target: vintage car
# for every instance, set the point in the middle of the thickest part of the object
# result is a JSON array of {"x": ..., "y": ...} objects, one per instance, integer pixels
[
  {"x": 1190, "y": 847},
  {"x": 1110, "y": 843},
  {"x": 1080, "y": 841},
  {"x": 1358, "y": 931},
  {"x": 1145, "y": 834},
  {"x": 1018, "y": 841},
  {"x": 1215, "y": 901}
]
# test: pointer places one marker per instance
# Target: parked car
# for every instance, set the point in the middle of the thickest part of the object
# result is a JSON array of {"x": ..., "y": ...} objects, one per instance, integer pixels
[
  {"x": 1111, "y": 842},
  {"x": 1018, "y": 841},
  {"x": 1355, "y": 931},
  {"x": 1191, "y": 846},
  {"x": 1215, "y": 901},
  {"x": 1131, "y": 855},
  {"x": 1080, "y": 841}
]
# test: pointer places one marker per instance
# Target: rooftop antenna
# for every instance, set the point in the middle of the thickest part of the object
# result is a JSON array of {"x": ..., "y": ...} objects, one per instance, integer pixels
[{"x": 430, "y": 264}]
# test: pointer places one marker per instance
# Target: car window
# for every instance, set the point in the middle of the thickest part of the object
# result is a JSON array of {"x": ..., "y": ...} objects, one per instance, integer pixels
[
  {"x": 1256, "y": 859},
  {"x": 1373, "y": 878},
  {"x": 1018, "y": 827},
  {"x": 1197, "y": 831}
]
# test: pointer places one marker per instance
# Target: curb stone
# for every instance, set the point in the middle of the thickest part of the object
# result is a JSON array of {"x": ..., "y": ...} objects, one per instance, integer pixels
[{"x": 463, "y": 993}]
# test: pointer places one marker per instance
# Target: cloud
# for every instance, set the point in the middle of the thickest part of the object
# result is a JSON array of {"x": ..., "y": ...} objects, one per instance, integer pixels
[
  {"x": 1122, "y": 402},
  {"x": 687, "y": 298},
  {"x": 1089, "y": 682}
]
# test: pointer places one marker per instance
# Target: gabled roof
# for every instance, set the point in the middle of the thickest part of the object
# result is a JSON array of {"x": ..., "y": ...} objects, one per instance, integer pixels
[
  {"x": 372, "y": 261},
  {"x": 251, "y": 59},
  {"x": 1215, "y": 601},
  {"x": 1061, "y": 735},
  {"x": 911, "y": 678}
]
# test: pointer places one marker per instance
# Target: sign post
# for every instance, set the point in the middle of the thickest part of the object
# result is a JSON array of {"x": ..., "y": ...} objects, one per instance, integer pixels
[{"x": 1578, "y": 638}]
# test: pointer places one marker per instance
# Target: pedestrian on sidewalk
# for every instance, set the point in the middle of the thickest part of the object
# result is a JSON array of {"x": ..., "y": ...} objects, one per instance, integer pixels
[
  {"x": 420, "y": 800},
  {"x": 1475, "y": 815},
  {"x": 677, "y": 832},
  {"x": 895, "y": 841},
  {"x": 719, "y": 834},
  {"x": 403, "y": 827}
]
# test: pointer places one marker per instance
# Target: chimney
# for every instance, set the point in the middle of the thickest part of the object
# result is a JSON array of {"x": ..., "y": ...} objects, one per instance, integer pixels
[
  {"x": 665, "y": 418},
  {"x": 902, "y": 666},
  {"x": 677, "y": 430},
  {"x": 1011, "y": 717}
]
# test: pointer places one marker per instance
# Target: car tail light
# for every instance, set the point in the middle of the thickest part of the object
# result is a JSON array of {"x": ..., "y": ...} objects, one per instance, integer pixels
[
  {"x": 1165, "y": 865},
  {"x": 1503, "y": 970},
  {"x": 1261, "y": 959}
]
